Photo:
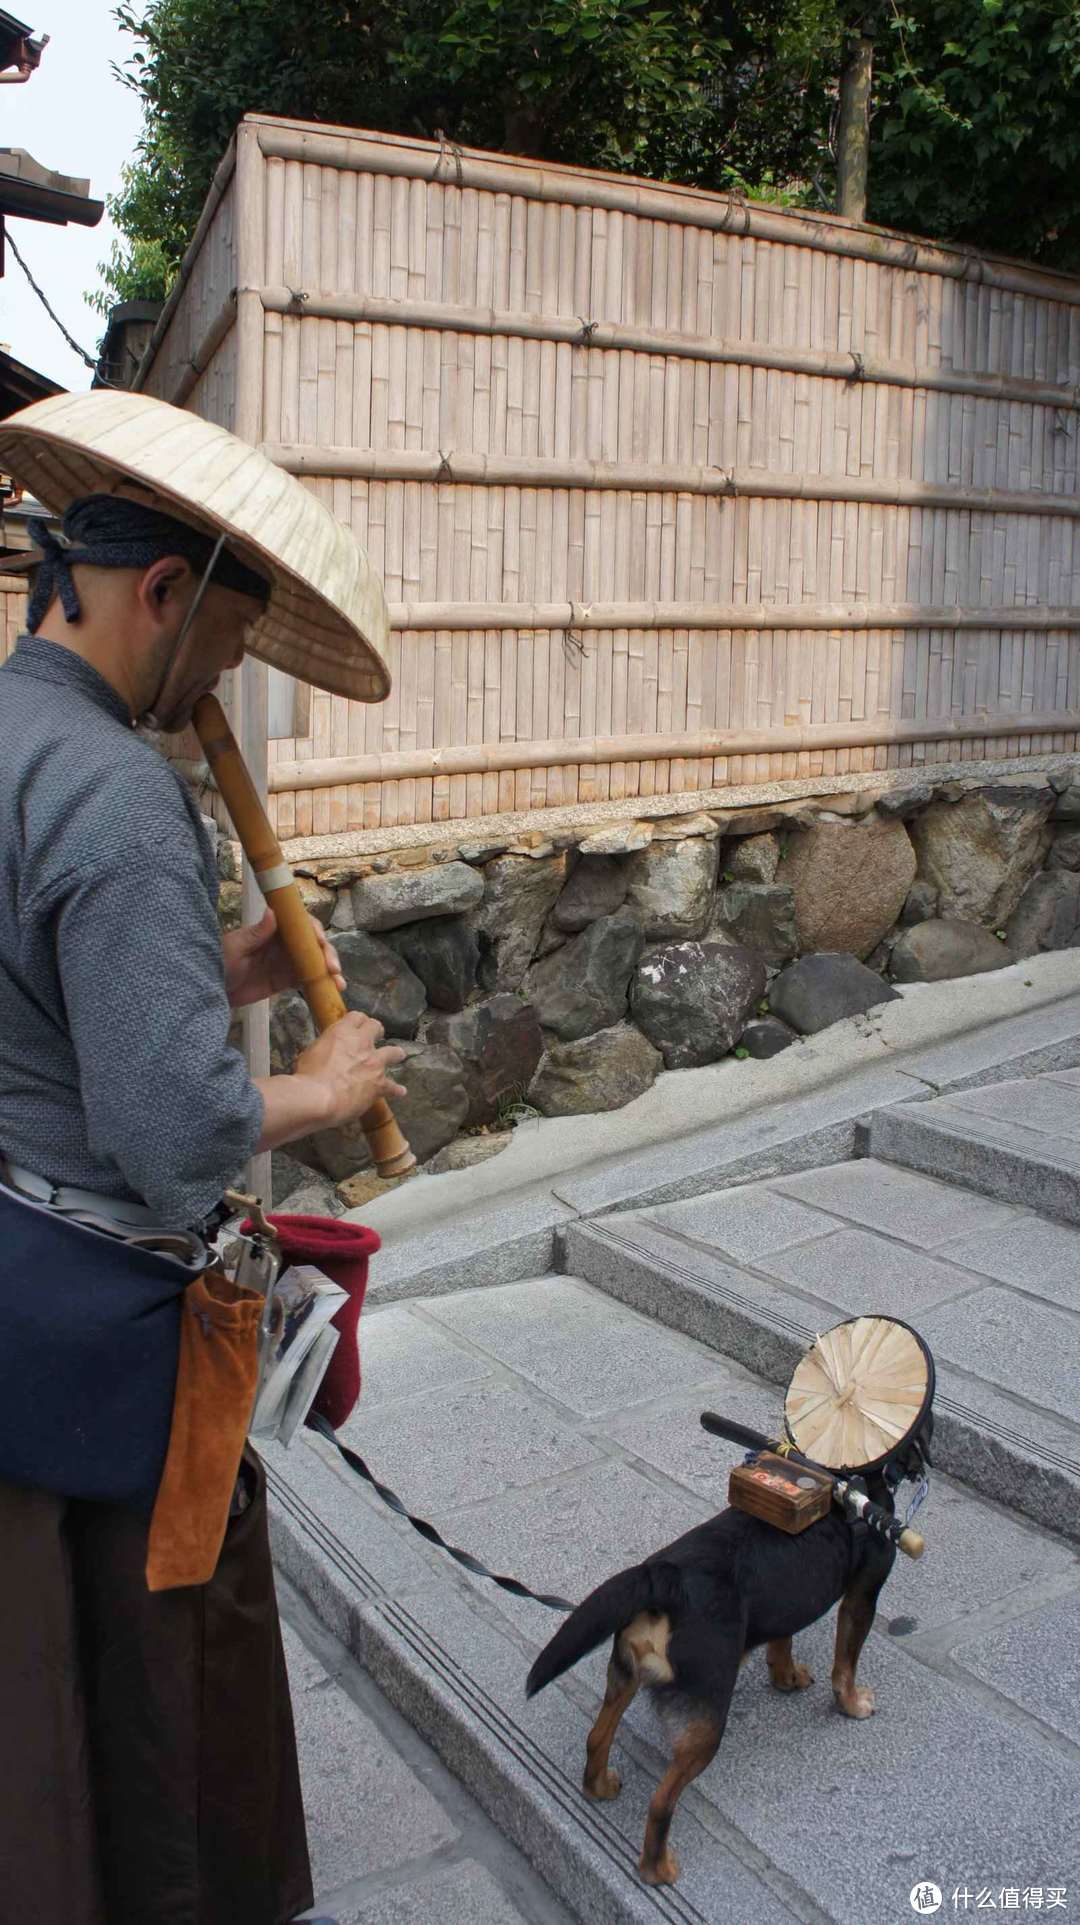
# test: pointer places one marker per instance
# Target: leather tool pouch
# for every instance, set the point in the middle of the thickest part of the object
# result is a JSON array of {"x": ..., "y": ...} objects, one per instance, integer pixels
[{"x": 216, "y": 1379}]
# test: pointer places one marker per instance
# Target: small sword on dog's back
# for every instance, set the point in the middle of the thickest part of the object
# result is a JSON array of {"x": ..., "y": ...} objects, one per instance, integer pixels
[{"x": 847, "y": 1495}]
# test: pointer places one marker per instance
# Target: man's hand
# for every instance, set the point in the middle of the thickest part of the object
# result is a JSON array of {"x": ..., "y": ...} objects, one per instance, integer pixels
[
  {"x": 350, "y": 1064},
  {"x": 257, "y": 963}
]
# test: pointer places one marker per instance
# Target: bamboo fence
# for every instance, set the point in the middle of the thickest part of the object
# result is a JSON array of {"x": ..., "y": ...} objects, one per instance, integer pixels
[
  {"x": 12, "y": 612},
  {"x": 667, "y": 490}
]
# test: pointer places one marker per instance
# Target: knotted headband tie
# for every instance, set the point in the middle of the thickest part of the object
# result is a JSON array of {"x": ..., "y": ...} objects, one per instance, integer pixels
[{"x": 111, "y": 531}]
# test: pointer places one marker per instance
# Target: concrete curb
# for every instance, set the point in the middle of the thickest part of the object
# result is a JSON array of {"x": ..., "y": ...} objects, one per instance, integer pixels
[{"x": 481, "y": 1235}]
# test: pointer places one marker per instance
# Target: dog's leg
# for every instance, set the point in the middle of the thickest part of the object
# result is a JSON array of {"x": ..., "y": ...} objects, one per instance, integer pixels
[
  {"x": 694, "y": 1748},
  {"x": 786, "y": 1672},
  {"x": 622, "y": 1686},
  {"x": 854, "y": 1619}
]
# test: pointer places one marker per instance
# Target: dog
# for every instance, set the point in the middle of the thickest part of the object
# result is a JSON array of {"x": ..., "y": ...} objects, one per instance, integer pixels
[{"x": 686, "y": 1619}]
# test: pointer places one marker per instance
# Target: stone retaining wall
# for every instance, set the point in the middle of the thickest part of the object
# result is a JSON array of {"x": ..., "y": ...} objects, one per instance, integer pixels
[{"x": 564, "y": 972}]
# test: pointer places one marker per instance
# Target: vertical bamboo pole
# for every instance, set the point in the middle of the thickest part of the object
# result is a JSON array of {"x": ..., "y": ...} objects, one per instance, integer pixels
[{"x": 251, "y": 698}]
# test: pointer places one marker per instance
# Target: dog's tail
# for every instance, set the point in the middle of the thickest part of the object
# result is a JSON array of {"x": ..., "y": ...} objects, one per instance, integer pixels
[{"x": 644, "y": 1587}]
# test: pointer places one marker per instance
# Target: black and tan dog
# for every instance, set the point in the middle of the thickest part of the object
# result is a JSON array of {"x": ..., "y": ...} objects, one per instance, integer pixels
[{"x": 686, "y": 1619}]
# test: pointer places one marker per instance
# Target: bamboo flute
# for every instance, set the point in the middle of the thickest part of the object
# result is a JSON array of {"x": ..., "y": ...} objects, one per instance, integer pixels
[{"x": 390, "y": 1152}]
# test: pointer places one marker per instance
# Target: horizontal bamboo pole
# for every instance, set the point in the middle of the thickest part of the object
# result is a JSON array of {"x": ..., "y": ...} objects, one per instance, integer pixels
[
  {"x": 630, "y": 477},
  {"x": 218, "y": 187},
  {"x": 488, "y": 758},
  {"x": 369, "y": 308},
  {"x": 362, "y": 152},
  {"x": 421, "y": 617},
  {"x": 222, "y": 324}
]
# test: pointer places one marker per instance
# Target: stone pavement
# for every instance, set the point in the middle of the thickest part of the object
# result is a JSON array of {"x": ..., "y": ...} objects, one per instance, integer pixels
[
  {"x": 992, "y": 1286},
  {"x": 394, "y": 1838},
  {"x": 552, "y": 1430},
  {"x": 548, "y": 1422}
]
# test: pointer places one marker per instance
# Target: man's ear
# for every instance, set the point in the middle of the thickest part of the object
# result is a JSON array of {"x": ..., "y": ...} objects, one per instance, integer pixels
[{"x": 162, "y": 586}]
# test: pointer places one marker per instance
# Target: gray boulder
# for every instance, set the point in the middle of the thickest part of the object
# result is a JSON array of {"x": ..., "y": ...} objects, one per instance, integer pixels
[
  {"x": 766, "y": 1036},
  {"x": 981, "y": 851},
  {"x": 921, "y": 904},
  {"x": 1047, "y": 915},
  {"x": 596, "y": 888},
  {"x": 1067, "y": 806},
  {"x": 821, "y": 990},
  {"x": 287, "y": 1173},
  {"x": 898, "y": 805},
  {"x": 444, "y": 954},
  {"x": 1065, "y": 852},
  {"x": 292, "y": 1029},
  {"x": 617, "y": 839},
  {"x": 599, "y": 1072},
  {"x": 386, "y": 902},
  {"x": 671, "y": 885},
  {"x": 583, "y": 986},
  {"x": 850, "y": 879},
  {"x": 519, "y": 894},
  {"x": 693, "y": 999},
  {"x": 760, "y": 916},
  {"x": 934, "y": 951},
  {"x": 380, "y": 983},
  {"x": 433, "y": 1110},
  {"x": 499, "y": 1042},
  {"x": 310, "y": 1194},
  {"x": 319, "y": 902},
  {"x": 752, "y": 859}
]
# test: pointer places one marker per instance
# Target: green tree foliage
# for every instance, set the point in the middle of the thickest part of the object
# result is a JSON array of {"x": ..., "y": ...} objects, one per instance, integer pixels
[
  {"x": 721, "y": 93},
  {"x": 975, "y": 128},
  {"x": 977, "y": 131}
]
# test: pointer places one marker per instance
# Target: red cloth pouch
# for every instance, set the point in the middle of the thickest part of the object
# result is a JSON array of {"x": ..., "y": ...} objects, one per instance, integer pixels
[{"x": 342, "y": 1251}]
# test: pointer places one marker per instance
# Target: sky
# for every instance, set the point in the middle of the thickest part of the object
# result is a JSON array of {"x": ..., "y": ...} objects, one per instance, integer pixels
[{"x": 75, "y": 117}]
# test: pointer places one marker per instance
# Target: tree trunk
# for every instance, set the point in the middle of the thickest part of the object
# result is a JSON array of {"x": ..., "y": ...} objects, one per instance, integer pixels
[
  {"x": 523, "y": 131},
  {"x": 853, "y": 129}
]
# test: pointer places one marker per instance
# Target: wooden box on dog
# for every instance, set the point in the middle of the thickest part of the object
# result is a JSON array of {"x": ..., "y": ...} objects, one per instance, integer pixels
[{"x": 780, "y": 1492}]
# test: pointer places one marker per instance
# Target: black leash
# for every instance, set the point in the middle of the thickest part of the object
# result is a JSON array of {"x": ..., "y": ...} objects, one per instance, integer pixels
[{"x": 392, "y": 1500}]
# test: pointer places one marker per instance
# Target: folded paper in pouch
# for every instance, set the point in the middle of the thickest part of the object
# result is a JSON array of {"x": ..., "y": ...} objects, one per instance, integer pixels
[{"x": 297, "y": 1353}]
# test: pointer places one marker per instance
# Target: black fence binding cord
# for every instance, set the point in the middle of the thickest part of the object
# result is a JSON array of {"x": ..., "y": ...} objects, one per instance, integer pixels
[{"x": 393, "y": 1501}]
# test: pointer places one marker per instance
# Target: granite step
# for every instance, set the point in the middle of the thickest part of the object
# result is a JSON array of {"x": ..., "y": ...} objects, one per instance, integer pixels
[
  {"x": 1018, "y": 1141},
  {"x": 756, "y": 1270},
  {"x": 554, "y": 1433}
]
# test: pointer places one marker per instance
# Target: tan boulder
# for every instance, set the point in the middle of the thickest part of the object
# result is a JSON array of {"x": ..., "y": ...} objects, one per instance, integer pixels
[{"x": 850, "y": 881}]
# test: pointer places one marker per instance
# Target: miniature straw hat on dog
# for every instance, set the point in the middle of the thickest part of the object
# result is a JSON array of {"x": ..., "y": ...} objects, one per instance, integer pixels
[
  {"x": 326, "y": 620},
  {"x": 861, "y": 1391}
]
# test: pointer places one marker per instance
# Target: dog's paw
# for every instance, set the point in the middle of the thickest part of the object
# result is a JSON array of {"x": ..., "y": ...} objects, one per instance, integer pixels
[
  {"x": 664, "y": 1872},
  {"x": 794, "y": 1677},
  {"x": 856, "y": 1702},
  {"x": 606, "y": 1784}
]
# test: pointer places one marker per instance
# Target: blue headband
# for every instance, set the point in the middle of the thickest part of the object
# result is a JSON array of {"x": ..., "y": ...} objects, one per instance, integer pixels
[{"x": 110, "y": 531}]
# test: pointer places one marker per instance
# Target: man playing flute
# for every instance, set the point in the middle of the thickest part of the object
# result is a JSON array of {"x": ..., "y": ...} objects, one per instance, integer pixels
[{"x": 146, "y": 1746}]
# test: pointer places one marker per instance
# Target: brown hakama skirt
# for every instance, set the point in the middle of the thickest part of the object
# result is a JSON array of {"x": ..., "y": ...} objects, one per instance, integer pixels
[{"x": 148, "y": 1770}]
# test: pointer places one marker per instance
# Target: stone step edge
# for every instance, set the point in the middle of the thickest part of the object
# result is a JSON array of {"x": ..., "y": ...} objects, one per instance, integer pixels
[
  {"x": 535, "y": 1804},
  {"x": 943, "y": 1147},
  {"x": 991, "y": 1458}
]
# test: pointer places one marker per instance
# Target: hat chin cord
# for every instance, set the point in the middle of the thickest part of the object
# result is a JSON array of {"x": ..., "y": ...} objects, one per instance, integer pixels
[{"x": 148, "y": 719}]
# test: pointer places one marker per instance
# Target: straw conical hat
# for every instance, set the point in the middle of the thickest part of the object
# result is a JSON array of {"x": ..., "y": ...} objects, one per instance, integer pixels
[
  {"x": 326, "y": 620},
  {"x": 860, "y": 1391}
]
